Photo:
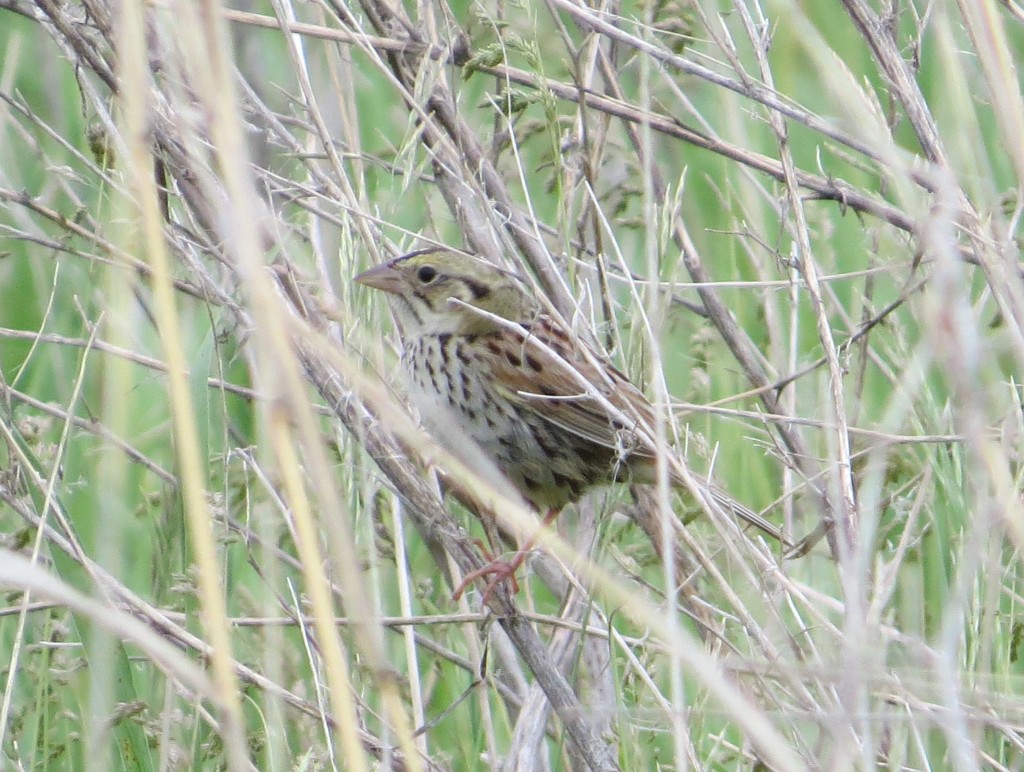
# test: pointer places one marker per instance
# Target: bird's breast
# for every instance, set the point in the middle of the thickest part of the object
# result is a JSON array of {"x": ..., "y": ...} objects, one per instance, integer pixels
[{"x": 467, "y": 410}]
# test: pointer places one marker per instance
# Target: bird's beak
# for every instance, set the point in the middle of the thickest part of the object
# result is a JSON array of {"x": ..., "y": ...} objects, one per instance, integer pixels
[{"x": 383, "y": 277}]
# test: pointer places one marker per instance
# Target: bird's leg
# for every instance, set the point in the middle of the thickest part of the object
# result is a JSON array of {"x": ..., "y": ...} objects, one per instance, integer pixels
[{"x": 501, "y": 569}]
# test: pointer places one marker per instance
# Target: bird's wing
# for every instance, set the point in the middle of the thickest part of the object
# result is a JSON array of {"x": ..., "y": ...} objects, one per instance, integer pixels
[
  {"x": 540, "y": 379},
  {"x": 544, "y": 372}
]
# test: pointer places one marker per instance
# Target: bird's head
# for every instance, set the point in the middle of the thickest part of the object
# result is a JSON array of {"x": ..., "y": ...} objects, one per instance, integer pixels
[{"x": 429, "y": 291}]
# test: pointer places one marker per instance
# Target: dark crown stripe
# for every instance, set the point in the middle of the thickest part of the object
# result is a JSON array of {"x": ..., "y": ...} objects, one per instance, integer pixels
[{"x": 421, "y": 252}]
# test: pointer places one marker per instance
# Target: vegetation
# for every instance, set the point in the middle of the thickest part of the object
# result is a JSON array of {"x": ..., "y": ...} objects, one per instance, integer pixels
[{"x": 795, "y": 225}]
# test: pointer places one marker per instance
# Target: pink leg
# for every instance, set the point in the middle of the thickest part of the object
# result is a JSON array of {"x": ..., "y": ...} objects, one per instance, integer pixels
[{"x": 500, "y": 569}]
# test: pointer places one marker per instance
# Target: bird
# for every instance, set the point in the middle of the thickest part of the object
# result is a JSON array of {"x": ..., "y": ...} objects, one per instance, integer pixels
[{"x": 489, "y": 371}]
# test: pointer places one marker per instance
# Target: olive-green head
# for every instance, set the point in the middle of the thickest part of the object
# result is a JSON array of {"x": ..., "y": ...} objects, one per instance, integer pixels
[{"x": 430, "y": 289}]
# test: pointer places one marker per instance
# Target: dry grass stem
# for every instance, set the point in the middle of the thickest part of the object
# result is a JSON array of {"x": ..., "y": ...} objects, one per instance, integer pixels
[{"x": 227, "y": 543}]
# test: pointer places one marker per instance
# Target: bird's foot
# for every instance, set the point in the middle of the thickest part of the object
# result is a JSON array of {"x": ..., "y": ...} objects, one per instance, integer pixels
[{"x": 499, "y": 570}]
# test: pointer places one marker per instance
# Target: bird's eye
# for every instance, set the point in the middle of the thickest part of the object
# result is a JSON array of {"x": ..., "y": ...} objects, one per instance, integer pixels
[{"x": 426, "y": 274}]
